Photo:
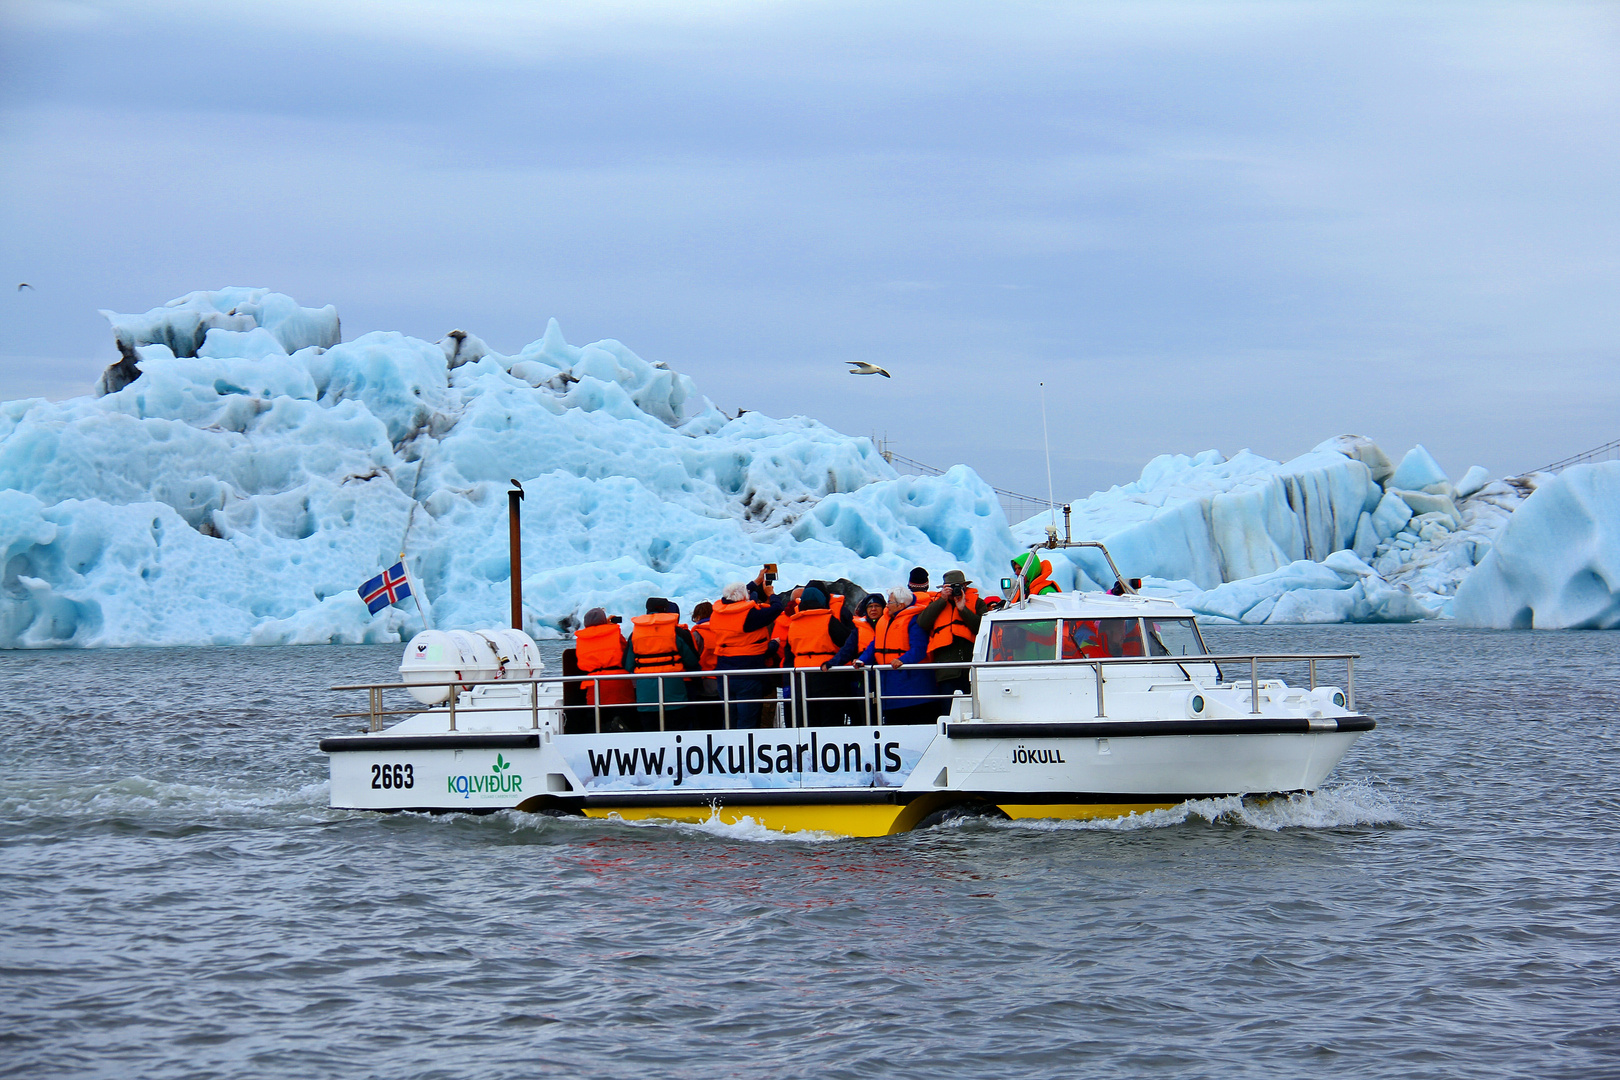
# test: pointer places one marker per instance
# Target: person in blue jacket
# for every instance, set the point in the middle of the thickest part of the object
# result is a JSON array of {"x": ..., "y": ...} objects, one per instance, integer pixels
[{"x": 907, "y": 694}]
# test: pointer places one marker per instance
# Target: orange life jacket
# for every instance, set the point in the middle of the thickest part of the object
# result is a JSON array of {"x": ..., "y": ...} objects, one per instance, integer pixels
[
  {"x": 653, "y": 643},
  {"x": 836, "y": 605},
  {"x": 949, "y": 626},
  {"x": 1043, "y": 581},
  {"x": 808, "y": 638},
  {"x": 730, "y": 639},
  {"x": 779, "y": 629},
  {"x": 599, "y": 650},
  {"x": 1090, "y": 639},
  {"x": 864, "y": 632},
  {"x": 893, "y": 635},
  {"x": 1130, "y": 643},
  {"x": 706, "y": 639}
]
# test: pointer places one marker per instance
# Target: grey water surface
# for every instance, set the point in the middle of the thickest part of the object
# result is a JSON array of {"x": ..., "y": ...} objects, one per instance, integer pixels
[{"x": 176, "y": 900}]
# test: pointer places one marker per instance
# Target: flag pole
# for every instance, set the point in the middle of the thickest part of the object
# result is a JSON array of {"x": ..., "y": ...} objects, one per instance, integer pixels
[{"x": 415, "y": 593}]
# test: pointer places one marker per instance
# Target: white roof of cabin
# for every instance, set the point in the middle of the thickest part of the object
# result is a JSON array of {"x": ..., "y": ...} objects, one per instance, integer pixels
[{"x": 1094, "y": 605}]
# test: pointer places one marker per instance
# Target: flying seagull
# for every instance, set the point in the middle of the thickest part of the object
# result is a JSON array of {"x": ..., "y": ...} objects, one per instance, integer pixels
[
  {"x": 24, "y": 285},
  {"x": 861, "y": 367}
]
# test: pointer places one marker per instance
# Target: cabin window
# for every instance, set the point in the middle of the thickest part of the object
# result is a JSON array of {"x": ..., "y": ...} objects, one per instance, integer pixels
[
  {"x": 1093, "y": 639},
  {"x": 1023, "y": 639},
  {"x": 1173, "y": 637}
]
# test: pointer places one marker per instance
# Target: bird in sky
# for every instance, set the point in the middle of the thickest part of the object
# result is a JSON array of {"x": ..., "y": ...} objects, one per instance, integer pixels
[
  {"x": 24, "y": 285},
  {"x": 861, "y": 367}
]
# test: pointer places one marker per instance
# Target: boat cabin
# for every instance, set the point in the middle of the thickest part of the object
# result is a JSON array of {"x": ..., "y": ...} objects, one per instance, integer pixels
[
  {"x": 1023, "y": 649},
  {"x": 1089, "y": 626}
]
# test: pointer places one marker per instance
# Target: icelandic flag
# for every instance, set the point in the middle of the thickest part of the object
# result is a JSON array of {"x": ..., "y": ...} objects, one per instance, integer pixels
[{"x": 389, "y": 587}]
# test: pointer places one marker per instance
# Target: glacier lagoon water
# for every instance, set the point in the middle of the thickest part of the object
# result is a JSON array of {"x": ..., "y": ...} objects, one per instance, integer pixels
[{"x": 177, "y": 900}]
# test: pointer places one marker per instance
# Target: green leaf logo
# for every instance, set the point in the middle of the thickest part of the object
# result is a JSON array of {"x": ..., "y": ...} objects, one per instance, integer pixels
[{"x": 500, "y": 763}]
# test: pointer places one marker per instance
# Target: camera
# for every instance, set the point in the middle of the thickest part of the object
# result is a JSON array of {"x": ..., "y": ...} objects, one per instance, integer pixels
[
  {"x": 770, "y": 572},
  {"x": 616, "y": 618}
]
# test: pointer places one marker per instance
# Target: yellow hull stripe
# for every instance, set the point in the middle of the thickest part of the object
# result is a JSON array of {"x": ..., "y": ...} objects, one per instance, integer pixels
[{"x": 875, "y": 819}]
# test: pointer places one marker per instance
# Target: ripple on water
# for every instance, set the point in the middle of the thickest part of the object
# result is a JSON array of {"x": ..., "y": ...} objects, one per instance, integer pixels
[{"x": 179, "y": 901}]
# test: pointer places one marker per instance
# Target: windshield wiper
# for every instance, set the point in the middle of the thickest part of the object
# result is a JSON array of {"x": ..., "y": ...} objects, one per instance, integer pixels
[{"x": 1164, "y": 650}]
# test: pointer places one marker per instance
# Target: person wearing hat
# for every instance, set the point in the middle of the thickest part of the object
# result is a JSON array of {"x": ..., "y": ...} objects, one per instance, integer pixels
[
  {"x": 658, "y": 642},
  {"x": 897, "y": 644},
  {"x": 1035, "y": 574},
  {"x": 867, "y": 614},
  {"x": 815, "y": 638},
  {"x": 919, "y": 584},
  {"x": 951, "y": 621},
  {"x": 741, "y": 624},
  {"x": 599, "y": 650}
]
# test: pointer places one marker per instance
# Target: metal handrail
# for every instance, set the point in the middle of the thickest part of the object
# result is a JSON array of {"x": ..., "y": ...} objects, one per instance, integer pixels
[
  {"x": 800, "y": 702},
  {"x": 1199, "y": 658},
  {"x": 1051, "y": 543}
]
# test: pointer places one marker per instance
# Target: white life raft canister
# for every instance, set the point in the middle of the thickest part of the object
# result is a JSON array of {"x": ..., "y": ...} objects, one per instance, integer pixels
[{"x": 436, "y": 659}]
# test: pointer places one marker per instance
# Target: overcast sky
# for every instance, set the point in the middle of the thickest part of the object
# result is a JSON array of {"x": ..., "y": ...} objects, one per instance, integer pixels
[{"x": 1202, "y": 225}]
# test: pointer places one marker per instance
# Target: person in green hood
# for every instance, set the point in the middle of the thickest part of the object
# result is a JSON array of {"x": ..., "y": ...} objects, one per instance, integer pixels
[{"x": 1036, "y": 574}]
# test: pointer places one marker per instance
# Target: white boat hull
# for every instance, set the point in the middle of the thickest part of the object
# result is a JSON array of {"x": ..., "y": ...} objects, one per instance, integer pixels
[{"x": 783, "y": 775}]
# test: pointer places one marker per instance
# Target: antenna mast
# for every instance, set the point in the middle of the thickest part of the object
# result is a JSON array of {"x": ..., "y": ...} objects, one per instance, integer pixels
[{"x": 1046, "y": 439}]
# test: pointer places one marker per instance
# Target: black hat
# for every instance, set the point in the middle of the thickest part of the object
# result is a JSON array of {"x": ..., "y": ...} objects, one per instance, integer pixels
[
  {"x": 919, "y": 576},
  {"x": 657, "y": 605}
]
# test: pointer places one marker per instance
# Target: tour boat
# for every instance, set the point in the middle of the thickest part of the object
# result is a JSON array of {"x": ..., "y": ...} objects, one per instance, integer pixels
[{"x": 1082, "y": 705}]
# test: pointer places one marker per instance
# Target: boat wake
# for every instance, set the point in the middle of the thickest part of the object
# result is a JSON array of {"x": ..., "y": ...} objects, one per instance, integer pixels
[
  {"x": 140, "y": 796},
  {"x": 1359, "y": 803},
  {"x": 1341, "y": 806}
]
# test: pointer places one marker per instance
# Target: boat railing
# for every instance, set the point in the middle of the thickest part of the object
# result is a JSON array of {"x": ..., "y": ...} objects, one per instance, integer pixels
[{"x": 799, "y": 679}]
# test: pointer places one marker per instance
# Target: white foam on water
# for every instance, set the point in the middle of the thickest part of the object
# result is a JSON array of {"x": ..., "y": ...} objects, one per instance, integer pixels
[
  {"x": 138, "y": 795},
  {"x": 745, "y": 828},
  {"x": 1355, "y": 803}
]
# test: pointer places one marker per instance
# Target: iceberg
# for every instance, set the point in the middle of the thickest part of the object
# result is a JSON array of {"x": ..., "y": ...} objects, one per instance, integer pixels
[
  {"x": 1341, "y": 588},
  {"x": 182, "y": 326},
  {"x": 1439, "y": 545},
  {"x": 243, "y": 470},
  {"x": 1248, "y": 539},
  {"x": 1417, "y": 470},
  {"x": 1211, "y": 519},
  {"x": 1556, "y": 564}
]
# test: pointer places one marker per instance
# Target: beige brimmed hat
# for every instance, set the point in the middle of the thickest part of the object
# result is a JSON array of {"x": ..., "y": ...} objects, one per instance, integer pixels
[{"x": 956, "y": 577}]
